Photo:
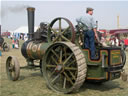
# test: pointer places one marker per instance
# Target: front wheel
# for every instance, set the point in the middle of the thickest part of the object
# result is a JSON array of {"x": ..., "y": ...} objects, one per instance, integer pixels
[
  {"x": 6, "y": 47},
  {"x": 12, "y": 68},
  {"x": 123, "y": 55}
]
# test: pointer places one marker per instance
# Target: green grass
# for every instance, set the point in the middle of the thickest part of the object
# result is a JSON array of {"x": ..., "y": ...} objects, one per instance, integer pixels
[{"x": 31, "y": 83}]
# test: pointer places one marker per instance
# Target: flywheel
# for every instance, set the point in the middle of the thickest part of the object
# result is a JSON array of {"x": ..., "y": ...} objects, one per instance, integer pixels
[
  {"x": 61, "y": 29},
  {"x": 64, "y": 67}
]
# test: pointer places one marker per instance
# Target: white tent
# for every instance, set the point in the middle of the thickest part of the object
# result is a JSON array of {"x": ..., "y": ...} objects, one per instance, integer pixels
[{"x": 23, "y": 29}]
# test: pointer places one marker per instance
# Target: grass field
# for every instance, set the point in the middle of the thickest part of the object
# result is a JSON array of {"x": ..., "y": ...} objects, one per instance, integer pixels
[{"x": 31, "y": 83}]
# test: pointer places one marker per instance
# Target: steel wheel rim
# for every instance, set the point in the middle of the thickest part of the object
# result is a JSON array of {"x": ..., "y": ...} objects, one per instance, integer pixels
[
  {"x": 62, "y": 78},
  {"x": 61, "y": 74}
]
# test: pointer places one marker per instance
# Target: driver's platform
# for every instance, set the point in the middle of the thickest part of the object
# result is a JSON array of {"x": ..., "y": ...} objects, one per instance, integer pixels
[
  {"x": 106, "y": 51},
  {"x": 106, "y": 67}
]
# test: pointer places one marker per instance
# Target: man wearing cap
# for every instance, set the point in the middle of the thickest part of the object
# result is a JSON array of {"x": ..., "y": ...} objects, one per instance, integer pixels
[{"x": 89, "y": 27}]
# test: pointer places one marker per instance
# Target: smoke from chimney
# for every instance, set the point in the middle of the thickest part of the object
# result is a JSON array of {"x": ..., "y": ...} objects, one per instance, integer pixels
[
  {"x": 13, "y": 9},
  {"x": 18, "y": 8}
]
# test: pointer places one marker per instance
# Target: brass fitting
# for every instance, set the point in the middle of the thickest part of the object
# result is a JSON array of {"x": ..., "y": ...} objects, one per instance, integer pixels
[{"x": 31, "y": 9}]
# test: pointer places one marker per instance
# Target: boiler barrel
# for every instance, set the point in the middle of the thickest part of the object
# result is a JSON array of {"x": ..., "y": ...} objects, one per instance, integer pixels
[{"x": 31, "y": 50}]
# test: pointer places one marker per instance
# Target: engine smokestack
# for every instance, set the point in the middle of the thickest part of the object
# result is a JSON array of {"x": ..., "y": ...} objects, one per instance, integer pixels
[{"x": 30, "y": 11}]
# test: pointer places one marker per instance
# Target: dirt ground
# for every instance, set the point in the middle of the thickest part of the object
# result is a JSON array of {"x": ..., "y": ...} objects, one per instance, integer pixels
[{"x": 31, "y": 83}]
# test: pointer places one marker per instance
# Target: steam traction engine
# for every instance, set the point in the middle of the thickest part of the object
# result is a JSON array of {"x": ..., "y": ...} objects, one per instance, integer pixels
[
  {"x": 3, "y": 44},
  {"x": 64, "y": 62}
]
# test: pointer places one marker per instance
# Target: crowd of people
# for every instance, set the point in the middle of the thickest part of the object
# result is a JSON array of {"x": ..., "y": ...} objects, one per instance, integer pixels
[
  {"x": 15, "y": 43},
  {"x": 15, "y": 40},
  {"x": 115, "y": 41}
]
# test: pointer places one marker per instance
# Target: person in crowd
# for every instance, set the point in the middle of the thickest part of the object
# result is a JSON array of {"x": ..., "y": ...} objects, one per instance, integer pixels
[
  {"x": 0, "y": 53},
  {"x": 116, "y": 41},
  {"x": 13, "y": 43},
  {"x": 17, "y": 44}
]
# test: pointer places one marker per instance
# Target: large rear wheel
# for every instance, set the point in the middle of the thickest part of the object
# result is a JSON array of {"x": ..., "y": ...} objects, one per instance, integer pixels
[{"x": 64, "y": 67}]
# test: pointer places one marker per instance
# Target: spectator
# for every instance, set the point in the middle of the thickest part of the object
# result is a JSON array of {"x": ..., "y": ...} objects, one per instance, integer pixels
[
  {"x": 116, "y": 41},
  {"x": 112, "y": 41},
  {"x": 13, "y": 43},
  {"x": 0, "y": 53},
  {"x": 17, "y": 44}
]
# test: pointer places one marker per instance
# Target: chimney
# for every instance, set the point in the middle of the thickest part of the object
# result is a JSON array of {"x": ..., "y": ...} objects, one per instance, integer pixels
[{"x": 30, "y": 11}]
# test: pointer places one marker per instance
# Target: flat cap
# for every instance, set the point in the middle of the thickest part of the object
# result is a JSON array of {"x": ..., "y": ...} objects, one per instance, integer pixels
[{"x": 89, "y": 9}]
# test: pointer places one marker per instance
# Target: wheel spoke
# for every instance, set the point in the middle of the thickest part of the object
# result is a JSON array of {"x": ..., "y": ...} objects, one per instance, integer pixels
[
  {"x": 60, "y": 60},
  {"x": 55, "y": 39},
  {"x": 52, "y": 73},
  {"x": 70, "y": 68},
  {"x": 65, "y": 38},
  {"x": 72, "y": 75},
  {"x": 13, "y": 74},
  {"x": 66, "y": 30},
  {"x": 71, "y": 63},
  {"x": 60, "y": 25},
  {"x": 51, "y": 66},
  {"x": 65, "y": 55},
  {"x": 64, "y": 85},
  {"x": 10, "y": 69},
  {"x": 67, "y": 59},
  {"x": 54, "y": 79},
  {"x": 55, "y": 54},
  {"x": 11, "y": 62},
  {"x": 60, "y": 39},
  {"x": 53, "y": 30},
  {"x": 54, "y": 60},
  {"x": 68, "y": 78}
]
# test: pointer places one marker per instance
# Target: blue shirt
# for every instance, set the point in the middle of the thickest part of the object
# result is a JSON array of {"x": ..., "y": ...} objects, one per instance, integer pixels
[{"x": 87, "y": 22}]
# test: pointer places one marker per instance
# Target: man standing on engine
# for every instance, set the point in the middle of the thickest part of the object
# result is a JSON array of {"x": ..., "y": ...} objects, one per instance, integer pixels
[{"x": 89, "y": 29}]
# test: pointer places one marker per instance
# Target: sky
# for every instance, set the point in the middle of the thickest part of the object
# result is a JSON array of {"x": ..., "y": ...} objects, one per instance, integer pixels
[{"x": 14, "y": 15}]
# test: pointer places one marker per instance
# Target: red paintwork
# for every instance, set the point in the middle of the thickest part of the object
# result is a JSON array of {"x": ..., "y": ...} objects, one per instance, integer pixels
[
  {"x": 104, "y": 32},
  {"x": 126, "y": 42},
  {"x": 5, "y": 33},
  {"x": 118, "y": 31}
]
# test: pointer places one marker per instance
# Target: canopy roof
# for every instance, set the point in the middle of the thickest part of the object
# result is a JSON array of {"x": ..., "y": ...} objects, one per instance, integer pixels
[
  {"x": 23, "y": 29},
  {"x": 120, "y": 32}
]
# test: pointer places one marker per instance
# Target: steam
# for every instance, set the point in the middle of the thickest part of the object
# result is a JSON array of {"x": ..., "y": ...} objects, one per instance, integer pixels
[
  {"x": 13, "y": 9},
  {"x": 3, "y": 12},
  {"x": 17, "y": 8}
]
